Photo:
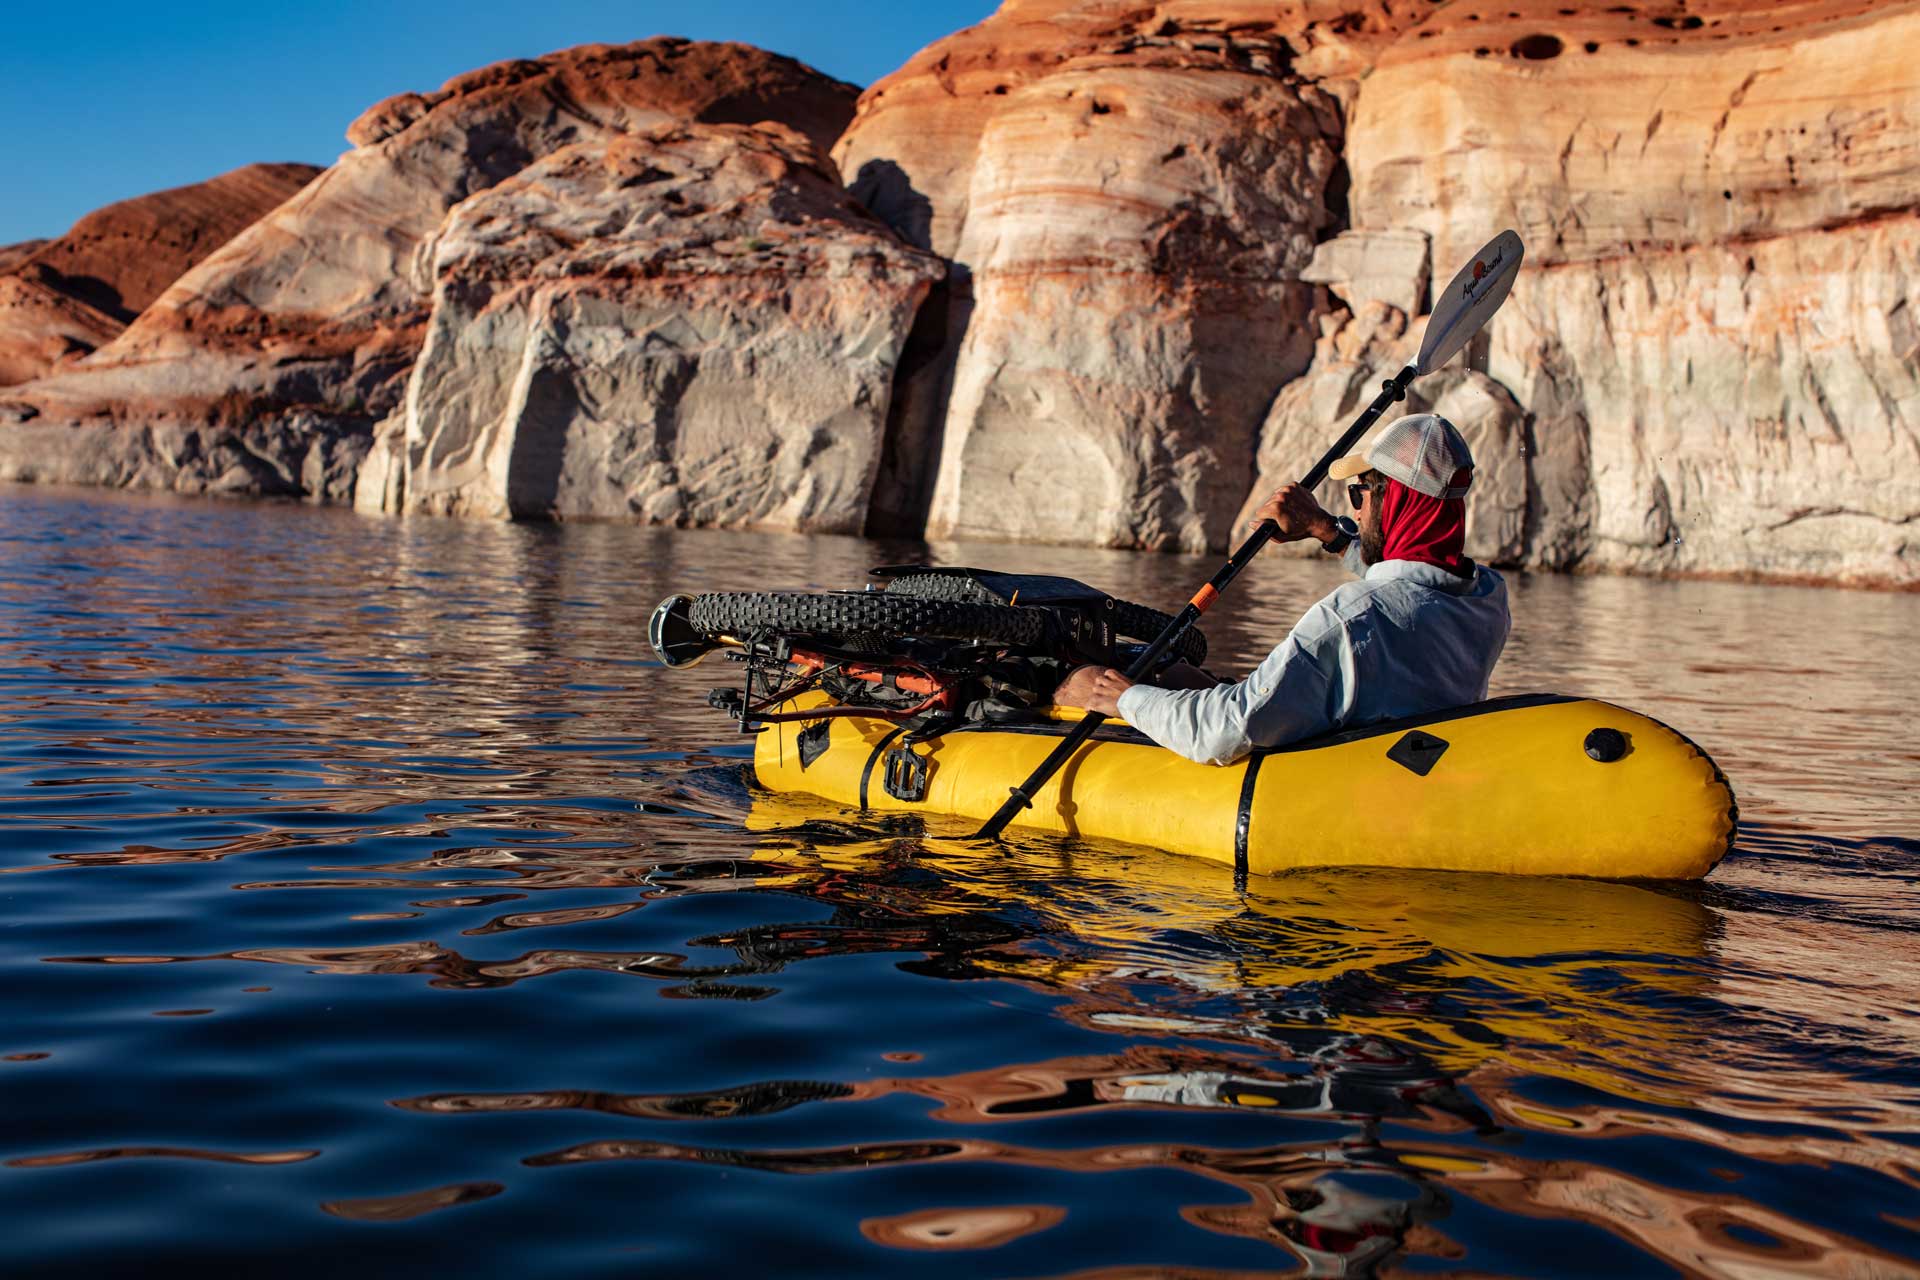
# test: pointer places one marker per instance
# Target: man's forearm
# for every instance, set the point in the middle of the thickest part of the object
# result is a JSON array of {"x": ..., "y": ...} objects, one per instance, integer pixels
[{"x": 1207, "y": 725}]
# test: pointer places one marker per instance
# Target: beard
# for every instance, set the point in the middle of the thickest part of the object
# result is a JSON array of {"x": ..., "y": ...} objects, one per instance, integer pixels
[{"x": 1373, "y": 543}]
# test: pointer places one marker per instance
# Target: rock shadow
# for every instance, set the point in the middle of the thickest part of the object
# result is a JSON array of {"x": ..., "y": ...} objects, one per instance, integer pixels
[
  {"x": 923, "y": 378},
  {"x": 917, "y": 412},
  {"x": 539, "y": 457},
  {"x": 886, "y": 191}
]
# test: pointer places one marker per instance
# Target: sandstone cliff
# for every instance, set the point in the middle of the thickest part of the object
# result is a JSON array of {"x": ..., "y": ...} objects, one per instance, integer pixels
[
  {"x": 1708, "y": 366},
  {"x": 1127, "y": 197},
  {"x": 120, "y": 258},
  {"x": 691, "y": 325},
  {"x": 1179, "y": 245},
  {"x": 299, "y": 334},
  {"x": 41, "y": 325},
  {"x": 12, "y": 255},
  {"x": 1713, "y": 343},
  {"x": 63, "y": 298}
]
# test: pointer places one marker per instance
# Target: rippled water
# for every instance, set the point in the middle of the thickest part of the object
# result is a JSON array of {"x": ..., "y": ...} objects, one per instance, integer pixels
[{"x": 369, "y": 898}]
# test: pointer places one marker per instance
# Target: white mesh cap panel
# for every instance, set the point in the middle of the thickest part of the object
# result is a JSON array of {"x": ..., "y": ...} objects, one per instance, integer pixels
[{"x": 1422, "y": 451}]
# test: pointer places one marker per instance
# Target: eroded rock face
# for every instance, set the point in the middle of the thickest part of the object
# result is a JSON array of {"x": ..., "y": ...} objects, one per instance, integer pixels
[
  {"x": 12, "y": 255},
  {"x": 1129, "y": 200},
  {"x": 120, "y": 258},
  {"x": 930, "y": 152},
  {"x": 1713, "y": 338},
  {"x": 1183, "y": 242},
  {"x": 916, "y": 140},
  {"x": 1709, "y": 365},
  {"x": 62, "y": 299},
  {"x": 317, "y": 311},
  {"x": 41, "y": 325},
  {"x": 694, "y": 325},
  {"x": 293, "y": 455},
  {"x": 1130, "y": 325}
]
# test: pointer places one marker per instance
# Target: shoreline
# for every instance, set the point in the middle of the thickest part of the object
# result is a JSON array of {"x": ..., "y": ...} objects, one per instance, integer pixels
[{"x": 1746, "y": 578}]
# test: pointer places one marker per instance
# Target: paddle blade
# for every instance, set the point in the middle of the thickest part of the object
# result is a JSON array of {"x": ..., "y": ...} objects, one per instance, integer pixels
[{"x": 1470, "y": 300}]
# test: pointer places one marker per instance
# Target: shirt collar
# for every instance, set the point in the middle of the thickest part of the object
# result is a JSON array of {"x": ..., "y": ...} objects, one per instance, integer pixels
[{"x": 1420, "y": 573}]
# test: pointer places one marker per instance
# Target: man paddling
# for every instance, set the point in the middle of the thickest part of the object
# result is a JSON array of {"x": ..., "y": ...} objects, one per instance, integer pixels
[{"x": 1420, "y": 631}]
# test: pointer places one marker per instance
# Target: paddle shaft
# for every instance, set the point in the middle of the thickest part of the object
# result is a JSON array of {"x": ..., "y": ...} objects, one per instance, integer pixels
[{"x": 1391, "y": 392}]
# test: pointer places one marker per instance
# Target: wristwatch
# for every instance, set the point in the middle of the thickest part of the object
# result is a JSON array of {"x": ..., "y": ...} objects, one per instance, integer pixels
[{"x": 1345, "y": 532}]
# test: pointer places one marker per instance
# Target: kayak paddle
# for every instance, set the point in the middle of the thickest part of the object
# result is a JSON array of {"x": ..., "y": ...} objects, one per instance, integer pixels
[{"x": 1461, "y": 311}]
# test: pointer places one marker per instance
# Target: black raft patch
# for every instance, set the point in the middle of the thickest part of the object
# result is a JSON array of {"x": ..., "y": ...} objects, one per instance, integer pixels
[
  {"x": 813, "y": 742},
  {"x": 1417, "y": 751}
]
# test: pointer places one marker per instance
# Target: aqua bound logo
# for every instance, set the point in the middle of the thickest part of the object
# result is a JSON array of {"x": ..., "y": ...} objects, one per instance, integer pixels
[{"x": 1481, "y": 270}]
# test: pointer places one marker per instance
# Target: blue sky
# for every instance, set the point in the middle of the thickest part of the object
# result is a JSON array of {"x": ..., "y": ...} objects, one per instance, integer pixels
[{"x": 112, "y": 99}]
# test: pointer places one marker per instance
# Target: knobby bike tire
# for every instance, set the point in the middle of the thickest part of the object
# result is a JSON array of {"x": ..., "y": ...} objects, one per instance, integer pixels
[
  {"x": 1134, "y": 621},
  {"x": 863, "y": 613}
]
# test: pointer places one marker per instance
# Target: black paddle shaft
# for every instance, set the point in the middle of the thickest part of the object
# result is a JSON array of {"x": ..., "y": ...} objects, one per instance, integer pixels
[{"x": 1392, "y": 391}]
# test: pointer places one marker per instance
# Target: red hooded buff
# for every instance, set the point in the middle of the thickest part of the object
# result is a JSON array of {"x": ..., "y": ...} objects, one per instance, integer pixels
[{"x": 1430, "y": 530}]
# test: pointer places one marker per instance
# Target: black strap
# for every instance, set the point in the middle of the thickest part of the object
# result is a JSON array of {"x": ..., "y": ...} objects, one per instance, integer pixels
[
  {"x": 1244, "y": 819},
  {"x": 867, "y": 771}
]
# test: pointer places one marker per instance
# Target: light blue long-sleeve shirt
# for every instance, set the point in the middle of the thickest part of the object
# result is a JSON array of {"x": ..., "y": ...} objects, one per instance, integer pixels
[{"x": 1406, "y": 639}]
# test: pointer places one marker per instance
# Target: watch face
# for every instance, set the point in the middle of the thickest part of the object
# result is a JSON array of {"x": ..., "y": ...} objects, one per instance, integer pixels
[{"x": 1340, "y": 541}]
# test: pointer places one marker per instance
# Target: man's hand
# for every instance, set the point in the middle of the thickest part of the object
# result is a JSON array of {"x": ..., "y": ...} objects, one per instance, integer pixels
[
  {"x": 1094, "y": 688},
  {"x": 1298, "y": 515}
]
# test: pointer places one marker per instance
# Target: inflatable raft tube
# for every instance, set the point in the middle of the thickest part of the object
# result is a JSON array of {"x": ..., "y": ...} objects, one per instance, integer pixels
[{"x": 1531, "y": 785}]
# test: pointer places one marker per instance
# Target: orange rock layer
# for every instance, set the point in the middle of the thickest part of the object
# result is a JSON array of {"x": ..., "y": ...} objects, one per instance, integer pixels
[
  {"x": 118, "y": 259},
  {"x": 61, "y": 299}
]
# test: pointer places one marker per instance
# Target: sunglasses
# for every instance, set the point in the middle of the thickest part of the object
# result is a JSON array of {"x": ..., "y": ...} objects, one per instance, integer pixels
[{"x": 1357, "y": 491}]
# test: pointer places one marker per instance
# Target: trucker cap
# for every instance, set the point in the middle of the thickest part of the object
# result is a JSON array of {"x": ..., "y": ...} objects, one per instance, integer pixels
[{"x": 1423, "y": 451}]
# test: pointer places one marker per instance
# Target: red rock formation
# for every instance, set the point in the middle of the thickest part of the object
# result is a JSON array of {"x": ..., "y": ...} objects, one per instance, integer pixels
[
  {"x": 915, "y": 140},
  {"x": 12, "y": 255},
  {"x": 61, "y": 299},
  {"x": 328, "y": 283},
  {"x": 41, "y": 325},
  {"x": 1157, "y": 218},
  {"x": 120, "y": 258},
  {"x": 695, "y": 325},
  {"x": 316, "y": 312},
  {"x": 699, "y": 81}
]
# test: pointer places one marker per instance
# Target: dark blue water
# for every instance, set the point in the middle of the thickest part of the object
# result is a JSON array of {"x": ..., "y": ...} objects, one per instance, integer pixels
[{"x": 369, "y": 899}]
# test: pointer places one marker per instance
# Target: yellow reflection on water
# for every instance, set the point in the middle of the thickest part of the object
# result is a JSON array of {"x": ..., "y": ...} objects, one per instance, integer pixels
[{"x": 1436, "y": 1001}]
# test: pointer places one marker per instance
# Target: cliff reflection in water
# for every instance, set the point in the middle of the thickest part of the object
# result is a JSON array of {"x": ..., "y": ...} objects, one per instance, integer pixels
[
  {"x": 1335, "y": 999},
  {"x": 366, "y": 887}
]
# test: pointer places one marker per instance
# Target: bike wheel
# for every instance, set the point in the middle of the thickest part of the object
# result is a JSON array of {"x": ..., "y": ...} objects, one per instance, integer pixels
[
  {"x": 863, "y": 614},
  {"x": 1134, "y": 621}
]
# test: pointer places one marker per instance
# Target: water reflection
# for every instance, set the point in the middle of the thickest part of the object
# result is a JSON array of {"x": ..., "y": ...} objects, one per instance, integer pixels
[
  {"x": 966, "y": 1228},
  {"x": 540, "y": 955},
  {"x": 746, "y": 1101},
  {"x": 412, "y": 1204},
  {"x": 64, "y": 1158},
  {"x": 1338, "y": 999}
]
